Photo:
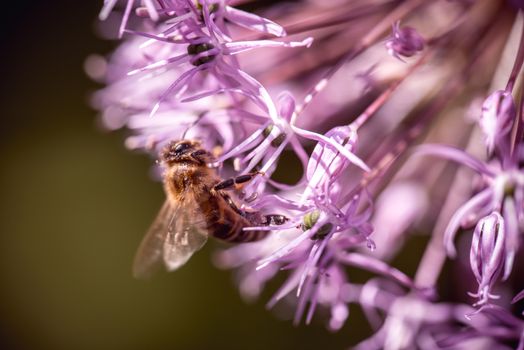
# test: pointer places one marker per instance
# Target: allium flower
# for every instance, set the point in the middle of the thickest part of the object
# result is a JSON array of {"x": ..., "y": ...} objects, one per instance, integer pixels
[
  {"x": 497, "y": 210},
  {"x": 205, "y": 46},
  {"x": 352, "y": 198},
  {"x": 330, "y": 231},
  {"x": 487, "y": 254}
]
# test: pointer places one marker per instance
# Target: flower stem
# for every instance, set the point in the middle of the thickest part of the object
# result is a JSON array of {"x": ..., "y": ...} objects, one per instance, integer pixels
[
  {"x": 517, "y": 66},
  {"x": 369, "y": 39},
  {"x": 384, "y": 96}
]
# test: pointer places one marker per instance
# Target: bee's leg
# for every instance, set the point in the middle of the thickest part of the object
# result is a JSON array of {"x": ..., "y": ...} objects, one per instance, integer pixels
[
  {"x": 236, "y": 182},
  {"x": 274, "y": 219}
]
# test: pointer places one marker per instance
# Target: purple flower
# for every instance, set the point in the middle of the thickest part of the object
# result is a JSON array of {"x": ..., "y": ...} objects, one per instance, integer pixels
[
  {"x": 331, "y": 230},
  {"x": 196, "y": 35},
  {"x": 496, "y": 121},
  {"x": 487, "y": 255},
  {"x": 404, "y": 42},
  {"x": 188, "y": 69},
  {"x": 498, "y": 212},
  {"x": 210, "y": 51}
]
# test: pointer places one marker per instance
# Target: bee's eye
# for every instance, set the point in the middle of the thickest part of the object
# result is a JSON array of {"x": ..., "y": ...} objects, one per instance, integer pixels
[{"x": 180, "y": 148}]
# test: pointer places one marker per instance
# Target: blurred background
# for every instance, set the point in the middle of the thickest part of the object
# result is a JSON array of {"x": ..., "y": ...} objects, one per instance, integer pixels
[{"x": 75, "y": 204}]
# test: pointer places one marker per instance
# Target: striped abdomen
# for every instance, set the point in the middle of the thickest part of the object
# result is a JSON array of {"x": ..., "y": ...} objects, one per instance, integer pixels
[{"x": 224, "y": 221}]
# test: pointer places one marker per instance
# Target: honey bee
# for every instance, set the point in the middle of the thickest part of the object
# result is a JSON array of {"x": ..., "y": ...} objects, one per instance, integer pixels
[{"x": 197, "y": 206}]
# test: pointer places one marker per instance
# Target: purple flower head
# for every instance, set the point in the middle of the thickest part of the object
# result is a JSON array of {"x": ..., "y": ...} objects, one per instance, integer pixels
[
  {"x": 165, "y": 65},
  {"x": 206, "y": 48},
  {"x": 188, "y": 69},
  {"x": 404, "y": 42},
  {"x": 316, "y": 256},
  {"x": 172, "y": 9},
  {"x": 195, "y": 38},
  {"x": 487, "y": 254},
  {"x": 324, "y": 230},
  {"x": 497, "y": 118},
  {"x": 497, "y": 211},
  {"x": 121, "y": 104}
]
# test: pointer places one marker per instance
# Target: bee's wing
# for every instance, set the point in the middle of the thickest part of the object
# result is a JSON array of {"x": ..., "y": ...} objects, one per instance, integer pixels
[
  {"x": 177, "y": 232},
  {"x": 148, "y": 257},
  {"x": 186, "y": 235}
]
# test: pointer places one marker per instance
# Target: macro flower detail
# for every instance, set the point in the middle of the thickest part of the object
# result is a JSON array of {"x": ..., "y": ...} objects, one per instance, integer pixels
[
  {"x": 496, "y": 211},
  {"x": 326, "y": 174}
]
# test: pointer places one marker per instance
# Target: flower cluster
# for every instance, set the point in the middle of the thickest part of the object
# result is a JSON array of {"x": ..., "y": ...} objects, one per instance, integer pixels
[
  {"x": 497, "y": 209},
  {"x": 257, "y": 93}
]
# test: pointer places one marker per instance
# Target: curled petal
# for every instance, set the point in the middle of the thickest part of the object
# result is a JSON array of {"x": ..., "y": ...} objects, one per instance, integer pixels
[
  {"x": 244, "y": 145},
  {"x": 456, "y": 155},
  {"x": 475, "y": 204},
  {"x": 377, "y": 266},
  {"x": 324, "y": 156},
  {"x": 323, "y": 139},
  {"x": 253, "y": 86},
  {"x": 176, "y": 87}
]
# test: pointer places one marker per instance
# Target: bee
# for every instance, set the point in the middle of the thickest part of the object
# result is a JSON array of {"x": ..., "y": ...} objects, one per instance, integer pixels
[{"x": 197, "y": 205}]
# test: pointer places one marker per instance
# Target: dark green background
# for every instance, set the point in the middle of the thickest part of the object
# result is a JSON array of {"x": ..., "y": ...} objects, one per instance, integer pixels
[{"x": 75, "y": 204}]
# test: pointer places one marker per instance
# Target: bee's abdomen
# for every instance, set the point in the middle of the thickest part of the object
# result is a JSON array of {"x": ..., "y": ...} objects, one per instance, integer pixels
[
  {"x": 224, "y": 223},
  {"x": 233, "y": 231},
  {"x": 228, "y": 225}
]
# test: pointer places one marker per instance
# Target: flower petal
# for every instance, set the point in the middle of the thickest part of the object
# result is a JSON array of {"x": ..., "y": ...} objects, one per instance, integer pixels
[
  {"x": 456, "y": 155},
  {"x": 236, "y": 47},
  {"x": 321, "y": 138},
  {"x": 254, "y": 22},
  {"x": 474, "y": 204}
]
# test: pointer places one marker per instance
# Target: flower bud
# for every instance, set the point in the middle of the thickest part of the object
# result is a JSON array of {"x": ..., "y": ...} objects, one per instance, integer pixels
[
  {"x": 487, "y": 254},
  {"x": 496, "y": 120},
  {"x": 404, "y": 42}
]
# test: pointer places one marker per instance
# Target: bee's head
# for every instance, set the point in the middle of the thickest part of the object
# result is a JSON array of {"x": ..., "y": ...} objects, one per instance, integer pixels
[{"x": 184, "y": 151}]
